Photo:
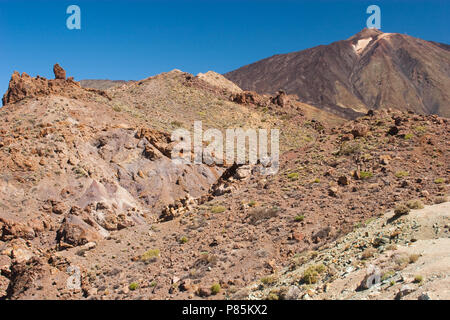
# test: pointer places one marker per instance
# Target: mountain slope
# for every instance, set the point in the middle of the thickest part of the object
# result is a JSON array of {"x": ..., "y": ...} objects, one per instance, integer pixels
[{"x": 371, "y": 70}]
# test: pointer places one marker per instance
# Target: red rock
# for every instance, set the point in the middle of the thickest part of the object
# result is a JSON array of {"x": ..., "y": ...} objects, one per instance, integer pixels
[{"x": 59, "y": 72}]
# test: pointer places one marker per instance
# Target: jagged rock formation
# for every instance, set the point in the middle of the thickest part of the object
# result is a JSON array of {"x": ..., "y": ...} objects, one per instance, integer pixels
[
  {"x": 23, "y": 86},
  {"x": 59, "y": 72},
  {"x": 370, "y": 70}
]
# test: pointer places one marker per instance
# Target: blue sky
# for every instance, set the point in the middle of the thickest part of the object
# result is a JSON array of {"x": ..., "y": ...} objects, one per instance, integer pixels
[{"x": 136, "y": 39}]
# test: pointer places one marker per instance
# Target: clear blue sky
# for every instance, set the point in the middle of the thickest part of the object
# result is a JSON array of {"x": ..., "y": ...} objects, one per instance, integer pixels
[{"x": 136, "y": 39}]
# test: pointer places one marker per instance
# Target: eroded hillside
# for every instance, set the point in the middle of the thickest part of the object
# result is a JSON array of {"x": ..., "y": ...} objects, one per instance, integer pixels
[{"x": 87, "y": 183}]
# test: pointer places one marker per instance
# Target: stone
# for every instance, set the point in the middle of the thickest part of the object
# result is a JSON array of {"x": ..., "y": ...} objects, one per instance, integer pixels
[
  {"x": 360, "y": 130},
  {"x": 404, "y": 291},
  {"x": 343, "y": 181},
  {"x": 425, "y": 296},
  {"x": 372, "y": 278},
  {"x": 204, "y": 292},
  {"x": 59, "y": 72},
  {"x": 76, "y": 232},
  {"x": 333, "y": 192},
  {"x": 185, "y": 285},
  {"x": 291, "y": 293},
  {"x": 21, "y": 255},
  {"x": 393, "y": 130}
]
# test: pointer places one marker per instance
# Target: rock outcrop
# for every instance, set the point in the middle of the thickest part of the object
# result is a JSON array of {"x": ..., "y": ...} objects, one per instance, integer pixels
[
  {"x": 23, "y": 86},
  {"x": 59, "y": 72}
]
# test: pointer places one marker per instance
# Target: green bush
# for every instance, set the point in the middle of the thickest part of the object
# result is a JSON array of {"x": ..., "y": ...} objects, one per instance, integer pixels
[
  {"x": 312, "y": 274},
  {"x": 183, "y": 240},
  {"x": 215, "y": 288},
  {"x": 366, "y": 175},
  {"x": 293, "y": 176},
  {"x": 218, "y": 209},
  {"x": 150, "y": 255},
  {"x": 133, "y": 286},
  {"x": 401, "y": 174}
]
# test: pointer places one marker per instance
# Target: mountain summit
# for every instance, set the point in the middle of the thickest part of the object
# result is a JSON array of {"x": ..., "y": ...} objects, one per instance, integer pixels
[{"x": 370, "y": 70}]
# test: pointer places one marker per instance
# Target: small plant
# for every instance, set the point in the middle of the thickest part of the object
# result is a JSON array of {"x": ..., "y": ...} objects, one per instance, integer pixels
[
  {"x": 215, "y": 288},
  {"x": 349, "y": 148},
  {"x": 176, "y": 124},
  {"x": 218, "y": 209},
  {"x": 401, "y": 210},
  {"x": 316, "y": 180},
  {"x": 262, "y": 213},
  {"x": 366, "y": 175},
  {"x": 268, "y": 280},
  {"x": 408, "y": 136},
  {"x": 418, "y": 279},
  {"x": 293, "y": 176},
  {"x": 401, "y": 174},
  {"x": 414, "y": 204},
  {"x": 299, "y": 218},
  {"x": 312, "y": 274},
  {"x": 252, "y": 203},
  {"x": 368, "y": 253},
  {"x": 387, "y": 275},
  {"x": 439, "y": 200},
  {"x": 273, "y": 296},
  {"x": 413, "y": 258},
  {"x": 117, "y": 108},
  {"x": 183, "y": 240},
  {"x": 150, "y": 255},
  {"x": 133, "y": 286},
  {"x": 439, "y": 180},
  {"x": 392, "y": 283},
  {"x": 420, "y": 130}
]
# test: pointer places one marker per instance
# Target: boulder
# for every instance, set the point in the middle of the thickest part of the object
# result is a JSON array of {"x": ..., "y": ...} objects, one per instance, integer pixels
[
  {"x": 75, "y": 231},
  {"x": 59, "y": 72}
]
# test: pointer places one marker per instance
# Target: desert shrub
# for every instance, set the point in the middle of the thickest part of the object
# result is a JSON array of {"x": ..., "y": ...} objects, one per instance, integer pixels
[
  {"x": 312, "y": 274},
  {"x": 408, "y": 136},
  {"x": 133, "y": 286},
  {"x": 414, "y": 204},
  {"x": 439, "y": 180},
  {"x": 268, "y": 280},
  {"x": 366, "y": 174},
  {"x": 401, "y": 261},
  {"x": 413, "y": 258},
  {"x": 176, "y": 124},
  {"x": 215, "y": 288},
  {"x": 368, "y": 253},
  {"x": 418, "y": 279},
  {"x": 420, "y": 130},
  {"x": 299, "y": 218},
  {"x": 150, "y": 255},
  {"x": 439, "y": 200},
  {"x": 252, "y": 203},
  {"x": 350, "y": 147},
  {"x": 218, "y": 209},
  {"x": 293, "y": 176},
  {"x": 183, "y": 240},
  {"x": 401, "y": 174},
  {"x": 207, "y": 259},
  {"x": 401, "y": 210},
  {"x": 263, "y": 213},
  {"x": 273, "y": 296},
  {"x": 387, "y": 275}
]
